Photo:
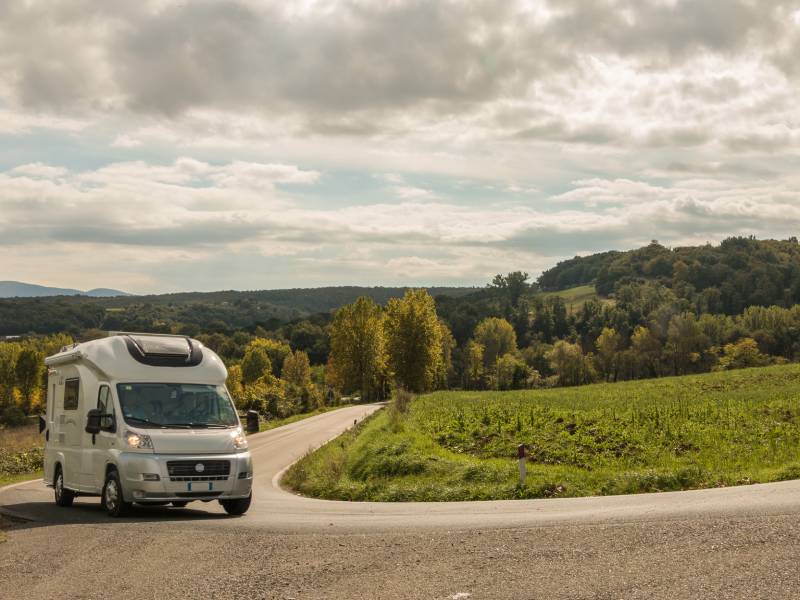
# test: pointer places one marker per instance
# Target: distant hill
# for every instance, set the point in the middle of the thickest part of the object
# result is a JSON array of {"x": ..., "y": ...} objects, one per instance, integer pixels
[
  {"x": 724, "y": 278},
  {"x": 203, "y": 311},
  {"x": 18, "y": 289}
]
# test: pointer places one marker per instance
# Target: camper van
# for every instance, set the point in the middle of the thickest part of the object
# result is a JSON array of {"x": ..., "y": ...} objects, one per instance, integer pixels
[{"x": 146, "y": 419}]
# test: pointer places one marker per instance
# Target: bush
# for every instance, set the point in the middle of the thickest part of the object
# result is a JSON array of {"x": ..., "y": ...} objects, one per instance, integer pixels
[
  {"x": 18, "y": 463},
  {"x": 12, "y": 416}
]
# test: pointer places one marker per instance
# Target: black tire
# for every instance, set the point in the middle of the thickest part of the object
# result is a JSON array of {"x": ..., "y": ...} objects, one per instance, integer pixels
[
  {"x": 63, "y": 496},
  {"x": 112, "y": 499},
  {"x": 179, "y": 503},
  {"x": 238, "y": 506}
]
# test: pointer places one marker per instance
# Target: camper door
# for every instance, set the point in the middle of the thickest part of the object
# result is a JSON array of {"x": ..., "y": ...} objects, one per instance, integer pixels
[{"x": 70, "y": 430}]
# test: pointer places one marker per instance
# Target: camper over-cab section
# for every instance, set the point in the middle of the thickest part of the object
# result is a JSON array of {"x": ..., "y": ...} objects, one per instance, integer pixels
[{"x": 146, "y": 419}]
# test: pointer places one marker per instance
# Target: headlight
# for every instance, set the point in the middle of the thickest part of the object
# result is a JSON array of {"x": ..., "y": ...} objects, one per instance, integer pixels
[
  {"x": 239, "y": 439},
  {"x": 138, "y": 440}
]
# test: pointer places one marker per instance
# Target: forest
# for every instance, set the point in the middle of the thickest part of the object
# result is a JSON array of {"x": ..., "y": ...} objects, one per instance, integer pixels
[{"x": 655, "y": 312}]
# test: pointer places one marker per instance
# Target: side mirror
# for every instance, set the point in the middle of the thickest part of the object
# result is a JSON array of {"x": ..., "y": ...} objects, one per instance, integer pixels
[
  {"x": 42, "y": 424},
  {"x": 93, "y": 418}
]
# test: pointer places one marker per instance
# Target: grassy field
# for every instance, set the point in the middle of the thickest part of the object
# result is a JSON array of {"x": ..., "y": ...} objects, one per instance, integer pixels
[
  {"x": 20, "y": 454},
  {"x": 577, "y": 296},
  {"x": 677, "y": 433}
]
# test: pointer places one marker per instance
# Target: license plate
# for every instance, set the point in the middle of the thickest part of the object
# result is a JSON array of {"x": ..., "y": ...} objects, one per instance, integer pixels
[{"x": 199, "y": 486}]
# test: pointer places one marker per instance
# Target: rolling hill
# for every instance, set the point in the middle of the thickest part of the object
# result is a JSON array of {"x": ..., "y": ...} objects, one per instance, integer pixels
[{"x": 19, "y": 289}]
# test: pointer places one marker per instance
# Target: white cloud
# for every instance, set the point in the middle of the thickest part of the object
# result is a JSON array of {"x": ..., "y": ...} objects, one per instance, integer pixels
[
  {"x": 125, "y": 141},
  {"x": 39, "y": 170},
  {"x": 501, "y": 134},
  {"x": 198, "y": 213}
]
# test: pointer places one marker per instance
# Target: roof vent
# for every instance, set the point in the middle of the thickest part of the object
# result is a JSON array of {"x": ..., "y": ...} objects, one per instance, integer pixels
[{"x": 163, "y": 350}]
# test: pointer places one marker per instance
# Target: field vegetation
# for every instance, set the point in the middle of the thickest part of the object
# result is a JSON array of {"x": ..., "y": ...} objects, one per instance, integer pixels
[
  {"x": 21, "y": 453},
  {"x": 676, "y": 433}
]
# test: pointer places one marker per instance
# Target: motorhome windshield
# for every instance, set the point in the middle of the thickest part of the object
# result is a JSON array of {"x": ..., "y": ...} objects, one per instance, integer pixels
[{"x": 176, "y": 405}]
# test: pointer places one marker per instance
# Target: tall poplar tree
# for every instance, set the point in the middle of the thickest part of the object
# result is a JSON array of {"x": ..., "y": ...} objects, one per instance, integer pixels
[
  {"x": 358, "y": 348},
  {"x": 414, "y": 340}
]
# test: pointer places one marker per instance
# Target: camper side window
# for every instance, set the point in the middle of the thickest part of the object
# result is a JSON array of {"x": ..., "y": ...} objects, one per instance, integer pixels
[{"x": 71, "y": 389}]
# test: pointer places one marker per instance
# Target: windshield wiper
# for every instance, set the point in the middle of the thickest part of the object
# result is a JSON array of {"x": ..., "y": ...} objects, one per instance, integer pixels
[
  {"x": 145, "y": 421},
  {"x": 199, "y": 425}
]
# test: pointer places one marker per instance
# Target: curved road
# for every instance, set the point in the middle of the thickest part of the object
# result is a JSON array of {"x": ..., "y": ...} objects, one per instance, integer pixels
[
  {"x": 739, "y": 542},
  {"x": 276, "y": 509}
]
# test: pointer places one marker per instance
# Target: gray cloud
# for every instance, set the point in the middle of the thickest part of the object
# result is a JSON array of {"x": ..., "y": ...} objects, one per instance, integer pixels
[
  {"x": 440, "y": 56},
  {"x": 632, "y": 120}
]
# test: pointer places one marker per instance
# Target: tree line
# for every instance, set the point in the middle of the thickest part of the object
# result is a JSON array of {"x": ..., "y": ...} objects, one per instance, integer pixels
[{"x": 661, "y": 319}]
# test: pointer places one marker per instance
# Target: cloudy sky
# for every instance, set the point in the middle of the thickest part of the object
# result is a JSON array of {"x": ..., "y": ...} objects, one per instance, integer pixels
[{"x": 168, "y": 145}]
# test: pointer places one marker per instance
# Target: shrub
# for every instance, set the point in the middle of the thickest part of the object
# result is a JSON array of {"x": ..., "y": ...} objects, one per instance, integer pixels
[
  {"x": 13, "y": 416},
  {"x": 18, "y": 463}
]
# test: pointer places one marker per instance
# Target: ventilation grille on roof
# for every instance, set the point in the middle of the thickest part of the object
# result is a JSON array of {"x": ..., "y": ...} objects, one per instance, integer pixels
[{"x": 164, "y": 351}]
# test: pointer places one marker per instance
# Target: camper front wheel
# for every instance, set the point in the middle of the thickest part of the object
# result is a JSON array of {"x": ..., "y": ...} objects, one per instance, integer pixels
[
  {"x": 238, "y": 506},
  {"x": 64, "y": 497},
  {"x": 113, "y": 499}
]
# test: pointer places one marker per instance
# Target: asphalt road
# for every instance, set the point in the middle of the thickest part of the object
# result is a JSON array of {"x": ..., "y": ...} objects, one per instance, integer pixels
[{"x": 739, "y": 542}]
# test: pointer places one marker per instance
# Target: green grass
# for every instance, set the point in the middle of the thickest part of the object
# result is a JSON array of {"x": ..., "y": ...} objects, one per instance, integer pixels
[
  {"x": 674, "y": 433},
  {"x": 6, "y": 479},
  {"x": 21, "y": 454},
  {"x": 576, "y": 297}
]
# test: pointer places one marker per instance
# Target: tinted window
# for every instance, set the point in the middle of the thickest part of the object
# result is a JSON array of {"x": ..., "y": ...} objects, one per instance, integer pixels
[
  {"x": 176, "y": 405},
  {"x": 71, "y": 391}
]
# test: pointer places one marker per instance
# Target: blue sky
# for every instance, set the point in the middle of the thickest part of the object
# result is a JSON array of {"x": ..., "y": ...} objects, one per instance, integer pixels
[{"x": 162, "y": 146}]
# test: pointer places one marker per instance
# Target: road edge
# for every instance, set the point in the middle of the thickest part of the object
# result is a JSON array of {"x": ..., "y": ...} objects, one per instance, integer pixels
[
  {"x": 12, "y": 513},
  {"x": 276, "y": 479}
]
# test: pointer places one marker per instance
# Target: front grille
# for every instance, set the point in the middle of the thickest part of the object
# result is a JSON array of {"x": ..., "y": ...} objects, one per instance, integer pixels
[
  {"x": 197, "y": 494},
  {"x": 186, "y": 470}
]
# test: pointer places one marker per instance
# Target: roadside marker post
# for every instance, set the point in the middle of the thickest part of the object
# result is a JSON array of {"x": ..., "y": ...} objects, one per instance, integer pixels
[{"x": 523, "y": 470}]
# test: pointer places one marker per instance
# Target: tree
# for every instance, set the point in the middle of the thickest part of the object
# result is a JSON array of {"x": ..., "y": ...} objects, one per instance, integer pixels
[
  {"x": 234, "y": 383},
  {"x": 9, "y": 351},
  {"x": 255, "y": 364},
  {"x": 570, "y": 364},
  {"x": 276, "y": 350},
  {"x": 297, "y": 374},
  {"x": 447, "y": 345},
  {"x": 28, "y": 374},
  {"x": 497, "y": 338},
  {"x": 358, "y": 348},
  {"x": 473, "y": 365},
  {"x": 414, "y": 340},
  {"x": 609, "y": 345},
  {"x": 309, "y": 337},
  {"x": 686, "y": 342},
  {"x": 742, "y": 354},
  {"x": 647, "y": 352},
  {"x": 511, "y": 373},
  {"x": 513, "y": 285},
  {"x": 297, "y": 369}
]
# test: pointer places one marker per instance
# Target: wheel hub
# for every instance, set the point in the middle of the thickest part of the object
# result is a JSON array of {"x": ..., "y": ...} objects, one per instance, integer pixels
[{"x": 111, "y": 494}]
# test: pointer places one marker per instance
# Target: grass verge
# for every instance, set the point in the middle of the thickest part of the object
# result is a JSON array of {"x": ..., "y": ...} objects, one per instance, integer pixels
[
  {"x": 21, "y": 454},
  {"x": 7, "y": 479},
  {"x": 677, "y": 433}
]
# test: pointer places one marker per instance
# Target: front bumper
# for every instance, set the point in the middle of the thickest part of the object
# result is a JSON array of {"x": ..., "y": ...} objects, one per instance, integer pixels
[{"x": 134, "y": 465}]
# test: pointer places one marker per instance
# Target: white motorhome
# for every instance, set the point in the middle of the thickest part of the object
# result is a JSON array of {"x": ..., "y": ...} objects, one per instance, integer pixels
[{"x": 143, "y": 418}]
